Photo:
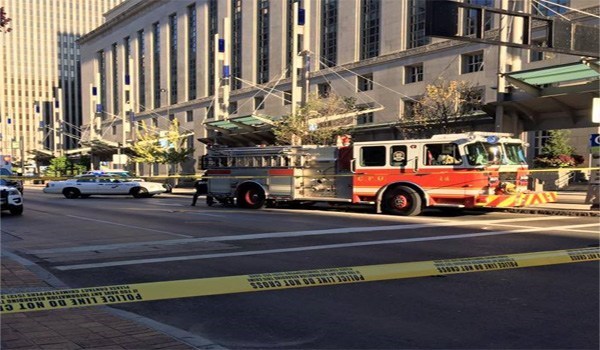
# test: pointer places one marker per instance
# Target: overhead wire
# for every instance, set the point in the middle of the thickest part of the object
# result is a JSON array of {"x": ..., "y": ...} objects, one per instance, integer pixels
[{"x": 570, "y": 8}]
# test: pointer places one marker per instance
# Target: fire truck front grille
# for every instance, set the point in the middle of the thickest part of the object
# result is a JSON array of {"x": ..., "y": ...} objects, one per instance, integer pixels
[{"x": 508, "y": 177}]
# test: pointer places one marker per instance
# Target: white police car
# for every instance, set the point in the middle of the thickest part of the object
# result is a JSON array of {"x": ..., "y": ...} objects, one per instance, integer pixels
[{"x": 11, "y": 198}]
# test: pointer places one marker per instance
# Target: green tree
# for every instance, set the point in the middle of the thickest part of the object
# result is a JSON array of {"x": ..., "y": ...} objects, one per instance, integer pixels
[
  {"x": 317, "y": 122},
  {"x": 557, "y": 152},
  {"x": 164, "y": 148},
  {"x": 444, "y": 106},
  {"x": 61, "y": 166}
]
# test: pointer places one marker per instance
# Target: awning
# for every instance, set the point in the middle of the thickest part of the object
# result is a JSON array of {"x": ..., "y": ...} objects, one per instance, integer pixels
[
  {"x": 246, "y": 130},
  {"x": 554, "y": 97}
]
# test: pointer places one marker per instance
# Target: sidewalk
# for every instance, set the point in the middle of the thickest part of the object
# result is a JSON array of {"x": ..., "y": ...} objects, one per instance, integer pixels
[{"x": 80, "y": 328}]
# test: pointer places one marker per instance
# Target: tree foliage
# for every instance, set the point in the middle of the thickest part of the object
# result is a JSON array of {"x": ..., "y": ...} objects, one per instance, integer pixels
[
  {"x": 444, "y": 105},
  {"x": 316, "y": 122},
  {"x": 557, "y": 152},
  {"x": 164, "y": 148},
  {"x": 60, "y": 166}
]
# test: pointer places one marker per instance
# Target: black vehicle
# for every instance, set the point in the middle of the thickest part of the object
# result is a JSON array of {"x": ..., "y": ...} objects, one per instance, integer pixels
[{"x": 18, "y": 184}]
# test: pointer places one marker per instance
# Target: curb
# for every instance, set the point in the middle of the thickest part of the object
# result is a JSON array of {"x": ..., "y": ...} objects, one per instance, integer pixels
[{"x": 543, "y": 211}]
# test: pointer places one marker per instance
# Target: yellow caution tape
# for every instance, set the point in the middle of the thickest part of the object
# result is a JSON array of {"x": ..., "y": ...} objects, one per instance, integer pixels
[{"x": 129, "y": 293}]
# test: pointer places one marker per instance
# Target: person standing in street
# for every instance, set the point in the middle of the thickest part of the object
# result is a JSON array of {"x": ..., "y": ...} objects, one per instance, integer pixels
[{"x": 200, "y": 187}]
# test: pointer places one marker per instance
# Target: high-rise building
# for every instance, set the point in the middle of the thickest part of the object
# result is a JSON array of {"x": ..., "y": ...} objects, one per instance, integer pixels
[{"x": 40, "y": 73}]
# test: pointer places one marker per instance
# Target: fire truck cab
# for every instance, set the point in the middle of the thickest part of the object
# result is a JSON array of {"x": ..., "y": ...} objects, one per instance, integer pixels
[{"x": 400, "y": 177}]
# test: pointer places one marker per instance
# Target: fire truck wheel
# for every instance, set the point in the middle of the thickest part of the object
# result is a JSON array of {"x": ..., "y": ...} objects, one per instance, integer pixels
[
  {"x": 402, "y": 201},
  {"x": 251, "y": 197}
]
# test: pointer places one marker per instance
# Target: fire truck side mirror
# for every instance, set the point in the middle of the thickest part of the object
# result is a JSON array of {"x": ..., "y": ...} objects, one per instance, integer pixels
[{"x": 353, "y": 165}]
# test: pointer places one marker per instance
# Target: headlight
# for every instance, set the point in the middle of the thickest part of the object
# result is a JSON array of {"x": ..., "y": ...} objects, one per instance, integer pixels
[{"x": 14, "y": 192}]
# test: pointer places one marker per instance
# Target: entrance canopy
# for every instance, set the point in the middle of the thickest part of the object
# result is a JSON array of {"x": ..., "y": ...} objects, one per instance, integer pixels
[
  {"x": 554, "y": 97},
  {"x": 246, "y": 130}
]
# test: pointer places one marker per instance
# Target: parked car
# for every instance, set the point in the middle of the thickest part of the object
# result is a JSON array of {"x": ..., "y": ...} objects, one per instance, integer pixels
[
  {"x": 87, "y": 185},
  {"x": 10, "y": 198},
  {"x": 126, "y": 175},
  {"x": 18, "y": 184}
]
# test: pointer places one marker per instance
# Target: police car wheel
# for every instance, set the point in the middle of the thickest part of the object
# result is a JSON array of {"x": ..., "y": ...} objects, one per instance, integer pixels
[
  {"x": 71, "y": 193},
  {"x": 402, "y": 201}
]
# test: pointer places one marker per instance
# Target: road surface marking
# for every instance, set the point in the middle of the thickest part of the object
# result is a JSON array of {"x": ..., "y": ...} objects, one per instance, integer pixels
[
  {"x": 139, "y": 292},
  {"x": 129, "y": 226},
  {"x": 278, "y": 235},
  {"x": 297, "y": 249}
]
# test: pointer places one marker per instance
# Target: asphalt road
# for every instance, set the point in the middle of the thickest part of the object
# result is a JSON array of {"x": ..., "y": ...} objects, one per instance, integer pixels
[{"x": 119, "y": 240}]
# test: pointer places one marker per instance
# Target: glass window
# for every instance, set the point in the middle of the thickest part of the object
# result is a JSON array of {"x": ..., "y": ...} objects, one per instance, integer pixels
[
  {"x": 365, "y": 82},
  {"x": 236, "y": 44},
  {"x": 369, "y": 28},
  {"x": 472, "y": 62},
  {"x": 259, "y": 102},
  {"x": 416, "y": 24},
  {"x": 263, "y": 42},
  {"x": 329, "y": 25},
  {"x": 550, "y": 7},
  {"x": 484, "y": 153},
  {"x": 414, "y": 73},
  {"x": 287, "y": 97},
  {"x": 372, "y": 156},
  {"x": 189, "y": 116},
  {"x": 173, "y": 57},
  {"x": 398, "y": 155},
  {"x": 472, "y": 19},
  {"x": 442, "y": 154},
  {"x": 192, "y": 37}
]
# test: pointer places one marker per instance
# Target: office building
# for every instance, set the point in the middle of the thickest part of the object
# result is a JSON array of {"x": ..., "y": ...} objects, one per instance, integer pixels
[
  {"x": 153, "y": 62},
  {"x": 40, "y": 66}
]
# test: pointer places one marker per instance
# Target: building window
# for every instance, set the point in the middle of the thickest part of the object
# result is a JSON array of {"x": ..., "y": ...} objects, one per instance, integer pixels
[
  {"x": 141, "y": 71},
  {"x": 365, "y": 118},
  {"x": 233, "y": 107},
  {"x": 365, "y": 82},
  {"x": 472, "y": 62},
  {"x": 416, "y": 24},
  {"x": 329, "y": 27},
  {"x": 213, "y": 24},
  {"x": 102, "y": 89},
  {"x": 114, "y": 129},
  {"x": 236, "y": 44},
  {"x": 155, "y": 122},
  {"x": 540, "y": 139},
  {"x": 127, "y": 47},
  {"x": 472, "y": 19},
  {"x": 409, "y": 107},
  {"x": 210, "y": 112},
  {"x": 189, "y": 116},
  {"x": 115, "y": 78},
  {"x": 156, "y": 58},
  {"x": 369, "y": 28},
  {"x": 536, "y": 55},
  {"x": 171, "y": 117},
  {"x": 173, "y": 57},
  {"x": 192, "y": 48},
  {"x": 323, "y": 90},
  {"x": 287, "y": 97},
  {"x": 262, "y": 52},
  {"x": 545, "y": 8},
  {"x": 413, "y": 74},
  {"x": 259, "y": 102}
]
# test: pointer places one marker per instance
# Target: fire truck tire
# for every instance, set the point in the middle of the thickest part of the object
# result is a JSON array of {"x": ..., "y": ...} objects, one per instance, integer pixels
[
  {"x": 251, "y": 197},
  {"x": 402, "y": 201}
]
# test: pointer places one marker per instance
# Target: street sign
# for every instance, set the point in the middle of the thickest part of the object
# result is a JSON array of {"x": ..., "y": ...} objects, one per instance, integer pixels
[
  {"x": 594, "y": 140},
  {"x": 119, "y": 159}
]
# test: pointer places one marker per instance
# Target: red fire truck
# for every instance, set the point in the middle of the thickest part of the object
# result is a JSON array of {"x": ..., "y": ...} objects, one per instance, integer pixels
[{"x": 399, "y": 177}]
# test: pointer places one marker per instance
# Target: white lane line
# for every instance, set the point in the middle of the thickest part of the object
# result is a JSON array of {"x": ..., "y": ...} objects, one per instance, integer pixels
[
  {"x": 246, "y": 237},
  {"x": 129, "y": 226},
  {"x": 565, "y": 230},
  {"x": 301, "y": 249}
]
